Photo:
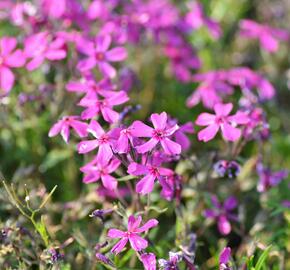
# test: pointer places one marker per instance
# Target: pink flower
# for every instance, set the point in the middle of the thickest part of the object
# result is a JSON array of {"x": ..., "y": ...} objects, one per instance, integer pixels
[
  {"x": 124, "y": 141},
  {"x": 159, "y": 134},
  {"x": 104, "y": 141},
  {"x": 63, "y": 127},
  {"x": 268, "y": 36},
  {"x": 150, "y": 172},
  {"x": 221, "y": 120},
  {"x": 54, "y": 8},
  {"x": 98, "y": 54},
  {"x": 196, "y": 19},
  {"x": 132, "y": 234},
  {"x": 100, "y": 169},
  {"x": 149, "y": 261},
  {"x": 42, "y": 46},
  {"x": 94, "y": 105},
  {"x": 224, "y": 259},
  {"x": 222, "y": 213},
  {"x": 9, "y": 58},
  {"x": 181, "y": 137}
]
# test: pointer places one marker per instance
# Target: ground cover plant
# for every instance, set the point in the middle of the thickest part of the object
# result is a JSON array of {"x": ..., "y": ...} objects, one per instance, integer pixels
[{"x": 144, "y": 134}]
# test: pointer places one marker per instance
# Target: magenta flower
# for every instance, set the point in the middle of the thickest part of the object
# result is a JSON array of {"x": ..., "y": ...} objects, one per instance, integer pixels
[
  {"x": 100, "y": 169},
  {"x": 98, "y": 54},
  {"x": 149, "y": 261},
  {"x": 54, "y": 8},
  {"x": 63, "y": 127},
  {"x": 181, "y": 137},
  {"x": 89, "y": 86},
  {"x": 132, "y": 234},
  {"x": 224, "y": 259},
  {"x": 159, "y": 134},
  {"x": 150, "y": 172},
  {"x": 104, "y": 141},
  {"x": 42, "y": 46},
  {"x": 221, "y": 120},
  {"x": 196, "y": 19},
  {"x": 268, "y": 178},
  {"x": 222, "y": 213},
  {"x": 9, "y": 58},
  {"x": 268, "y": 36},
  {"x": 94, "y": 105},
  {"x": 124, "y": 141}
]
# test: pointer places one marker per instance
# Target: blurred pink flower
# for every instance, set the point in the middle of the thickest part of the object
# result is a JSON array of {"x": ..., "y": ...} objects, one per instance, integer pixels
[
  {"x": 63, "y": 127},
  {"x": 196, "y": 19},
  {"x": 43, "y": 46},
  {"x": 9, "y": 58},
  {"x": 132, "y": 234},
  {"x": 224, "y": 259},
  {"x": 221, "y": 120},
  {"x": 98, "y": 53},
  {"x": 149, "y": 261},
  {"x": 268, "y": 36}
]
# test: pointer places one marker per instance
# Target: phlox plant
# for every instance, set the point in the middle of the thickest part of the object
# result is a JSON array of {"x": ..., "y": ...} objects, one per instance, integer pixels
[{"x": 159, "y": 185}]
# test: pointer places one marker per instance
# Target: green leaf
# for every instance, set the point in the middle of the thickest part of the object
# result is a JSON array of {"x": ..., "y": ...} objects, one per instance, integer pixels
[
  {"x": 262, "y": 259},
  {"x": 40, "y": 227}
]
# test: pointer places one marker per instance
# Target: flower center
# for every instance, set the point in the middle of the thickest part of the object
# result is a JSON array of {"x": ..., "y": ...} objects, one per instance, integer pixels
[
  {"x": 158, "y": 134},
  {"x": 104, "y": 139},
  {"x": 220, "y": 120},
  {"x": 100, "y": 56},
  {"x": 154, "y": 171}
]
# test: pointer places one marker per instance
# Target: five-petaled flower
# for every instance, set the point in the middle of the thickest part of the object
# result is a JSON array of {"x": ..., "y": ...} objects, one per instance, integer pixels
[
  {"x": 103, "y": 140},
  {"x": 222, "y": 213},
  {"x": 63, "y": 127},
  {"x": 221, "y": 120},
  {"x": 99, "y": 54},
  {"x": 132, "y": 234},
  {"x": 159, "y": 134}
]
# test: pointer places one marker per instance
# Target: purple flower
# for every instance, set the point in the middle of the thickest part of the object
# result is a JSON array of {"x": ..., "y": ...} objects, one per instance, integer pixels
[
  {"x": 268, "y": 36},
  {"x": 101, "y": 169},
  {"x": 172, "y": 263},
  {"x": 98, "y": 53},
  {"x": 159, "y": 134},
  {"x": 132, "y": 234},
  {"x": 104, "y": 141},
  {"x": 9, "y": 58},
  {"x": 268, "y": 178},
  {"x": 221, "y": 120},
  {"x": 100, "y": 213},
  {"x": 150, "y": 172},
  {"x": 42, "y": 46},
  {"x": 227, "y": 168},
  {"x": 104, "y": 259},
  {"x": 63, "y": 127},
  {"x": 222, "y": 213},
  {"x": 224, "y": 259},
  {"x": 149, "y": 261}
]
